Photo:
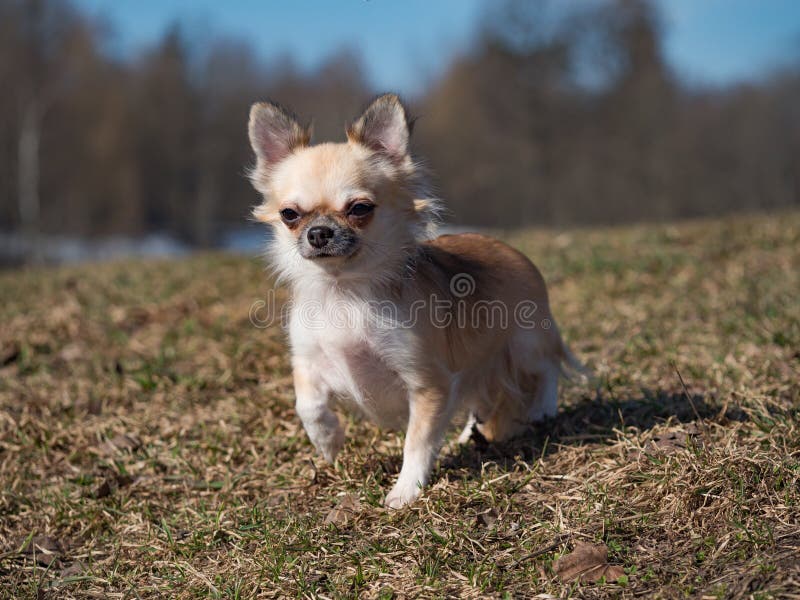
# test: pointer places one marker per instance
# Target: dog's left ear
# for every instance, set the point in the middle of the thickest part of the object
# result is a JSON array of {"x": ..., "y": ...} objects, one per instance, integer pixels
[{"x": 384, "y": 127}]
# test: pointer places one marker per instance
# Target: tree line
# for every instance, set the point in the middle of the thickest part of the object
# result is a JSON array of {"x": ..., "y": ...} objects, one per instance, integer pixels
[{"x": 554, "y": 116}]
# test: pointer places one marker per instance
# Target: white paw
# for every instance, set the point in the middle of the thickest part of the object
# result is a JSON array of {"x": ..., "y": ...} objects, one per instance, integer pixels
[
  {"x": 535, "y": 416},
  {"x": 402, "y": 494},
  {"x": 541, "y": 411}
]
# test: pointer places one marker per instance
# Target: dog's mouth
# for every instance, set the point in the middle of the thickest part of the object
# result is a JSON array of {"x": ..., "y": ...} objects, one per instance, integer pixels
[{"x": 347, "y": 252}]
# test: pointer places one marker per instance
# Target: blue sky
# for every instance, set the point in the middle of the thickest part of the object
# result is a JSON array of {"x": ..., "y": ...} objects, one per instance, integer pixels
[{"x": 405, "y": 43}]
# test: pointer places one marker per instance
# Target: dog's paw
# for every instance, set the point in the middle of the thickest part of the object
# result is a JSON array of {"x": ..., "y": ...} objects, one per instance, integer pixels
[{"x": 402, "y": 495}]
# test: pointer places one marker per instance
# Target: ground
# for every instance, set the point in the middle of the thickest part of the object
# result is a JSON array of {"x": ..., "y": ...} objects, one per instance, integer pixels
[{"x": 149, "y": 447}]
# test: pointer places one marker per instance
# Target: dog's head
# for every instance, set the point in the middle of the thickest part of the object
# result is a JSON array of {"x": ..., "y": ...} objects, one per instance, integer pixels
[{"x": 342, "y": 209}]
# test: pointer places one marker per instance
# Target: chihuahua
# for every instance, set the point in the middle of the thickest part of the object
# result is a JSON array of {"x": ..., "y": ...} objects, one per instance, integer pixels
[{"x": 403, "y": 326}]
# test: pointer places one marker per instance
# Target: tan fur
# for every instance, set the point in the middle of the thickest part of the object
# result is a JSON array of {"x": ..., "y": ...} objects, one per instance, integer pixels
[
  {"x": 503, "y": 274},
  {"x": 408, "y": 371}
]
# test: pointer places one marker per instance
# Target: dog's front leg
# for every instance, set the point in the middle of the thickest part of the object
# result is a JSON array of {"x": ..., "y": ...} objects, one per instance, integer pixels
[
  {"x": 313, "y": 408},
  {"x": 429, "y": 413}
]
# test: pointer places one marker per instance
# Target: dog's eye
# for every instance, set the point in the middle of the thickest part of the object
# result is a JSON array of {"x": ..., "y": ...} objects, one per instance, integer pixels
[
  {"x": 360, "y": 209},
  {"x": 289, "y": 215}
]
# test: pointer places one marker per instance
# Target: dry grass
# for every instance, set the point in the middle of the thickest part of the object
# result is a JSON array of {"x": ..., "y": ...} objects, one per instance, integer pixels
[{"x": 148, "y": 440}]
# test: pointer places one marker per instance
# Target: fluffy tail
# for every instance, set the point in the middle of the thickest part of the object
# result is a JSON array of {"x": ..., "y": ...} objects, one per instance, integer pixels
[{"x": 572, "y": 368}]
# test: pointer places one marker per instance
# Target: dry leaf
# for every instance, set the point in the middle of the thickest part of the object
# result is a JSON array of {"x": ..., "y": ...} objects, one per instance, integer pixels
[
  {"x": 46, "y": 549},
  {"x": 348, "y": 506},
  {"x": 487, "y": 519},
  {"x": 71, "y": 352},
  {"x": 102, "y": 490},
  {"x": 109, "y": 485},
  {"x": 73, "y": 569},
  {"x": 9, "y": 355},
  {"x": 120, "y": 443},
  {"x": 671, "y": 441},
  {"x": 587, "y": 563}
]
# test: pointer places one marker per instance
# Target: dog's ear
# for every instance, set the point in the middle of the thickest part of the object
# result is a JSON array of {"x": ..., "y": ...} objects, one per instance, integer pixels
[
  {"x": 275, "y": 133},
  {"x": 384, "y": 127}
]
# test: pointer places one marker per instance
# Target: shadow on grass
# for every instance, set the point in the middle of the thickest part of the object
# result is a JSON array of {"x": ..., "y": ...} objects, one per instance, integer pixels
[{"x": 590, "y": 421}]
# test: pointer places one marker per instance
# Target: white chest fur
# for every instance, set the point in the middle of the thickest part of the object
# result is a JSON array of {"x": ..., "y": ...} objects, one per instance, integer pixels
[{"x": 340, "y": 336}]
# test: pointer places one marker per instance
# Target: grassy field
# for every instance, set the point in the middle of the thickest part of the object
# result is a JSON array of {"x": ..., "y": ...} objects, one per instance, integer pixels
[{"x": 149, "y": 448}]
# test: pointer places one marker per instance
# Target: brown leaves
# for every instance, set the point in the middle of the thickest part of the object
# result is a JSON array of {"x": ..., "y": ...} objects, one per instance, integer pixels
[
  {"x": 43, "y": 548},
  {"x": 347, "y": 508},
  {"x": 122, "y": 442},
  {"x": 9, "y": 354},
  {"x": 73, "y": 570},
  {"x": 72, "y": 352},
  {"x": 487, "y": 518},
  {"x": 671, "y": 441},
  {"x": 110, "y": 484},
  {"x": 587, "y": 563}
]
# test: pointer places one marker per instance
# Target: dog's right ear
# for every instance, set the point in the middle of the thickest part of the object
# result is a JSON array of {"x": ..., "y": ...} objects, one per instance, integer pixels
[
  {"x": 384, "y": 127},
  {"x": 275, "y": 133}
]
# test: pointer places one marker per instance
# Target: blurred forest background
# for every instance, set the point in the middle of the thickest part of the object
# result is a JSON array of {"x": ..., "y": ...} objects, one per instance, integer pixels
[{"x": 569, "y": 119}]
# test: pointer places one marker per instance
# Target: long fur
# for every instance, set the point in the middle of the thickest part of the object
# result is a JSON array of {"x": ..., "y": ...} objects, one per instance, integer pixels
[{"x": 356, "y": 331}]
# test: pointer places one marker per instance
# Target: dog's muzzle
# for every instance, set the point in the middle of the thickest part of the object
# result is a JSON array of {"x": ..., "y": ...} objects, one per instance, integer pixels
[{"x": 325, "y": 238}]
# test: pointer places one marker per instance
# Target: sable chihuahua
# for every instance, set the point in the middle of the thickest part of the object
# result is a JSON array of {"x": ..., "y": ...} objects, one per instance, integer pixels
[{"x": 405, "y": 327}]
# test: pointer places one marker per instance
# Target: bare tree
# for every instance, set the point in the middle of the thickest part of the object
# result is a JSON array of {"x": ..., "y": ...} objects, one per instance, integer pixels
[{"x": 39, "y": 64}]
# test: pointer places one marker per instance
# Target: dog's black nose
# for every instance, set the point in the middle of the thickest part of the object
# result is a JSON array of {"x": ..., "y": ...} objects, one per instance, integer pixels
[{"x": 318, "y": 236}]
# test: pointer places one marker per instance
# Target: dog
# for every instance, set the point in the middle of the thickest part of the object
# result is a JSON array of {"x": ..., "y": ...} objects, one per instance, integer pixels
[{"x": 405, "y": 327}]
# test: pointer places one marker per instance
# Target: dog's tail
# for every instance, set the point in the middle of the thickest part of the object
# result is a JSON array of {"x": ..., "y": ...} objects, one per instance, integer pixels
[{"x": 572, "y": 367}]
